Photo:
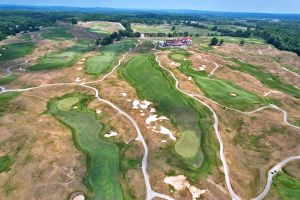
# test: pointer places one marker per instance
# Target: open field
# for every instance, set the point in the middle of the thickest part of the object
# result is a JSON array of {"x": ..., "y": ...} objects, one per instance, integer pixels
[
  {"x": 152, "y": 84},
  {"x": 101, "y": 27},
  {"x": 63, "y": 58},
  {"x": 57, "y": 33},
  {"x": 100, "y": 64},
  {"x": 103, "y": 157},
  {"x": 288, "y": 187},
  {"x": 17, "y": 50}
]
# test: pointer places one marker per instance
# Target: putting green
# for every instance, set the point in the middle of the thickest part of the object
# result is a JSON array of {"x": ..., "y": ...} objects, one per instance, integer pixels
[
  {"x": 104, "y": 62},
  {"x": 287, "y": 186},
  {"x": 103, "y": 157},
  {"x": 66, "y": 104},
  {"x": 188, "y": 144},
  {"x": 13, "y": 51}
]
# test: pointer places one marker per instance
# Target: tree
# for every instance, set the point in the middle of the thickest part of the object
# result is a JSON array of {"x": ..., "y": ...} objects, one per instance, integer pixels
[
  {"x": 197, "y": 35},
  {"x": 214, "y": 41},
  {"x": 215, "y": 28},
  {"x": 186, "y": 34},
  {"x": 221, "y": 42},
  {"x": 242, "y": 42},
  {"x": 73, "y": 21},
  {"x": 173, "y": 28}
]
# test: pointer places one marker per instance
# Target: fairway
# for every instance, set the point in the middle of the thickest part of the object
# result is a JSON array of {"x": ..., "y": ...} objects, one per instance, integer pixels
[
  {"x": 102, "y": 27},
  {"x": 188, "y": 144},
  {"x": 14, "y": 51},
  {"x": 63, "y": 58},
  {"x": 103, "y": 157},
  {"x": 108, "y": 58},
  {"x": 152, "y": 84},
  {"x": 57, "y": 33},
  {"x": 221, "y": 91},
  {"x": 268, "y": 79},
  {"x": 287, "y": 187}
]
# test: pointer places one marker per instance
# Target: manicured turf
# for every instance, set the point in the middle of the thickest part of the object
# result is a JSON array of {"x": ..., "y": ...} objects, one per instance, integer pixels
[
  {"x": 221, "y": 91},
  {"x": 13, "y": 51},
  {"x": 103, "y": 157},
  {"x": 7, "y": 79},
  {"x": 188, "y": 144},
  {"x": 268, "y": 79},
  {"x": 64, "y": 58},
  {"x": 152, "y": 84},
  {"x": 67, "y": 103},
  {"x": 57, "y": 33},
  {"x": 5, "y": 163},
  {"x": 105, "y": 28},
  {"x": 5, "y": 98},
  {"x": 287, "y": 187},
  {"x": 110, "y": 55}
]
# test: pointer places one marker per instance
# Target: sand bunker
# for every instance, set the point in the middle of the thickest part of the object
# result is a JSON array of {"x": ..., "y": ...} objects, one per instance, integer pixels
[
  {"x": 153, "y": 118},
  {"x": 180, "y": 183},
  {"x": 163, "y": 130},
  {"x": 233, "y": 94},
  {"x": 143, "y": 105},
  {"x": 111, "y": 134}
]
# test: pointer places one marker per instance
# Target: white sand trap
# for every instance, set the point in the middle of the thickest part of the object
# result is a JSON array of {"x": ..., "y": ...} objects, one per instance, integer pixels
[
  {"x": 180, "y": 183},
  {"x": 175, "y": 64},
  {"x": 124, "y": 94},
  {"x": 165, "y": 131},
  {"x": 129, "y": 100},
  {"x": 79, "y": 68},
  {"x": 98, "y": 111},
  {"x": 164, "y": 141},
  {"x": 233, "y": 94},
  {"x": 143, "y": 105},
  {"x": 80, "y": 63},
  {"x": 79, "y": 197},
  {"x": 75, "y": 107},
  {"x": 111, "y": 134},
  {"x": 190, "y": 78},
  {"x": 22, "y": 69},
  {"x": 153, "y": 118},
  {"x": 184, "y": 59},
  {"x": 142, "y": 114},
  {"x": 152, "y": 110},
  {"x": 77, "y": 80},
  {"x": 202, "y": 68},
  {"x": 0, "y": 54}
]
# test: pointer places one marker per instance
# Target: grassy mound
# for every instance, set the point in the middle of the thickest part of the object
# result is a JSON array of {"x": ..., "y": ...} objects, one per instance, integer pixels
[
  {"x": 102, "y": 63},
  {"x": 103, "y": 157},
  {"x": 287, "y": 187},
  {"x": 57, "y": 33},
  {"x": 268, "y": 79},
  {"x": 5, "y": 163},
  {"x": 221, "y": 91},
  {"x": 188, "y": 144},
  {"x": 64, "y": 58},
  {"x": 152, "y": 84},
  {"x": 5, "y": 98},
  {"x": 13, "y": 51}
]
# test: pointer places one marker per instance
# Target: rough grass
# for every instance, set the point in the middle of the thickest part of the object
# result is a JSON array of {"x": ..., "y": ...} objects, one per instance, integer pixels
[
  {"x": 221, "y": 91},
  {"x": 57, "y": 33},
  {"x": 64, "y": 58},
  {"x": 14, "y": 51},
  {"x": 287, "y": 187},
  {"x": 110, "y": 54},
  {"x": 267, "y": 79},
  {"x": 5, "y": 98},
  {"x": 7, "y": 79},
  {"x": 103, "y": 157},
  {"x": 5, "y": 163},
  {"x": 152, "y": 84},
  {"x": 188, "y": 144}
]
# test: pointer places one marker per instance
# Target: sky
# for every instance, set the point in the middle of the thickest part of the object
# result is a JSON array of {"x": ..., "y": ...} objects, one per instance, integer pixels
[{"x": 262, "y": 6}]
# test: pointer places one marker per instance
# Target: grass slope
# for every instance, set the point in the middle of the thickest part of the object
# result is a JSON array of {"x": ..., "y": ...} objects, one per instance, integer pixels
[
  {"x": 64, "y": 58},
  {"x": 7, "y": 79},
  {"x": 13, "y": 51},
  {"x": 267, "y": 79},
  {"x": 152, "y": 84},
  {"x": 221, "y": 91},
  {"x": 102, "y": 63},
  {"x": 287, "y": 187},
  {"x": 57, "y": 33},
  {"x": 103, "y": 157}
]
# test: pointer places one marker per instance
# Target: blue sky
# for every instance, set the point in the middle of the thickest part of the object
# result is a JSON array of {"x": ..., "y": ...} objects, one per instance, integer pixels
[{"x": 270, "y": 6}]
